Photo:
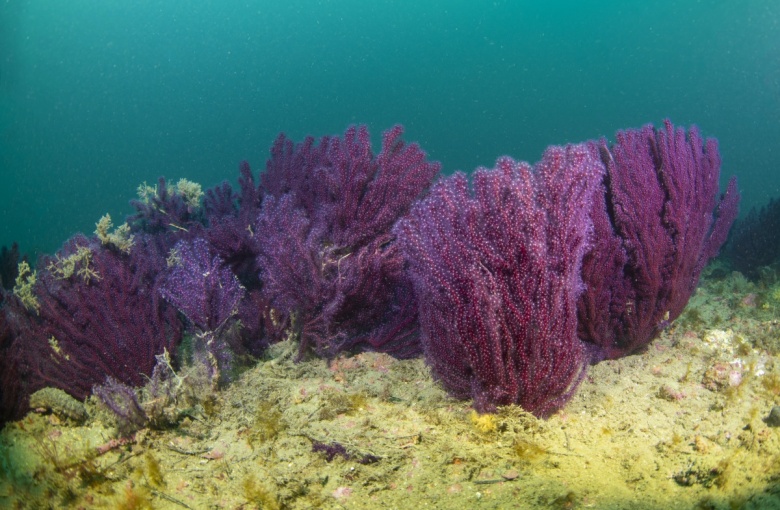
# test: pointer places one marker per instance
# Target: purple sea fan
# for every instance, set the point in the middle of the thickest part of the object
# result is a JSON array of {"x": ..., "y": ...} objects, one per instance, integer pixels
[
  {"x": 230, "y": 232},
  {"x": 207, "y": 292},
  {"x": 658, "y": 220},
  {"x": 347, "y": 191},
  {"x": 200, "y": 286},
  {"x": 497, "y": 277},
  {"x": 327, "y": 252},
  {"x": 754, "y": 242}
]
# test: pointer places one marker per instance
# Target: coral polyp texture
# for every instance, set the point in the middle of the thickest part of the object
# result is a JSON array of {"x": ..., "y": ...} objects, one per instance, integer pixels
[
  {"x": 658, "y": 221},
  {"x": 497, "y": 276},
  {"x": 327, "y": 253}
]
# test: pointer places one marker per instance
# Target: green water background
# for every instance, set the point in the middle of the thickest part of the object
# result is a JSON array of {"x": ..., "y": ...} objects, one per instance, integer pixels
[{"x": 98, "y": 96}]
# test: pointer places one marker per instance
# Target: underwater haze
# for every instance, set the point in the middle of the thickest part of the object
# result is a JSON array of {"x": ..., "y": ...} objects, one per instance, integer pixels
[{"x": 97, "y": 97}]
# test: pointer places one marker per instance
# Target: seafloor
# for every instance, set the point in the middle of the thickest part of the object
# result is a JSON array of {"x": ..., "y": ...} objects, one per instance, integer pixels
[{"x": 682, "y": 425}]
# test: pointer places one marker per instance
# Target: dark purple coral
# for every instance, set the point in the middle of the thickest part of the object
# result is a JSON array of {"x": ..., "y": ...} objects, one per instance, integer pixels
[
  {"x": 231, "y": 217},
  {"x": 106, "y": 318},
  {"x": 10, "y": 406},
  {"x": 658, "y": 220},
  {"x": 327, "y": 253},
  {"x": 754, "y": 242},
  {"x": 497, "y": 277},
  {"x": 9, "y": 264}
]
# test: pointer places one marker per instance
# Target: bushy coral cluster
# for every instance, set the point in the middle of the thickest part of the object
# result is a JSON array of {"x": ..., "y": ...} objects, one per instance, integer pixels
[
  {"x": 505, "y": 316},
  {"x": 216, "y": 266},
  {"x": 497, "y": 276},
  {"x": 510, "y": 290}
]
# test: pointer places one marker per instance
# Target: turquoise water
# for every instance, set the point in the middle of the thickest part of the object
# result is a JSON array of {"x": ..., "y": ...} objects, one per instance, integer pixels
[{"x": 97, "y": 97}]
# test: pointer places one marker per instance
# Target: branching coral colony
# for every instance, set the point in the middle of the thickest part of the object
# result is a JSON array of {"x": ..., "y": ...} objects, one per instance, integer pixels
[{"x": 509, "y": 290}]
